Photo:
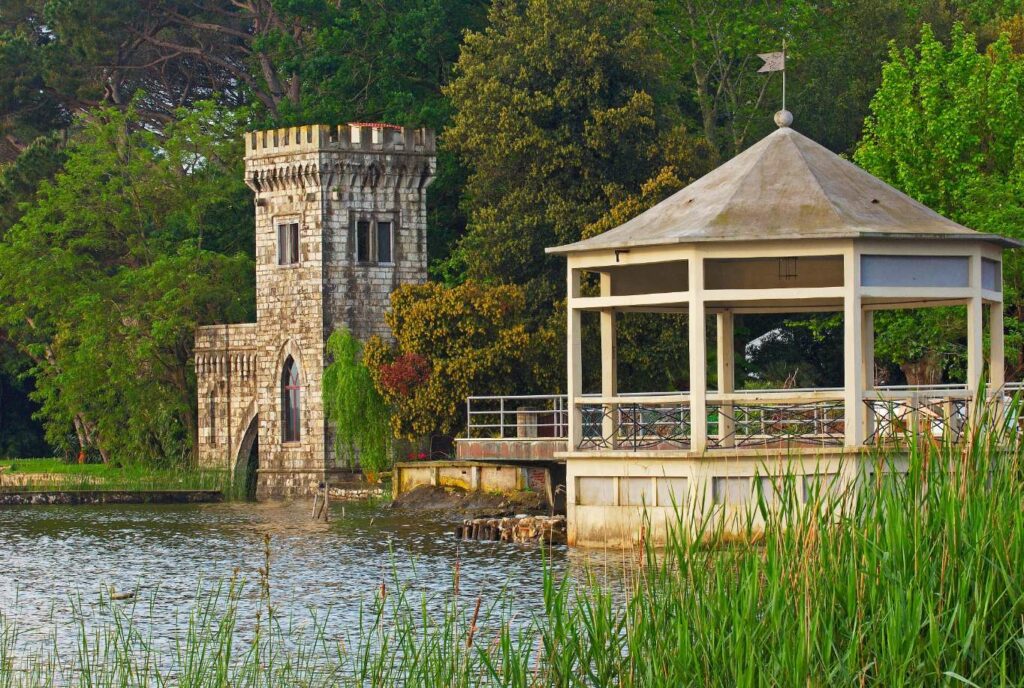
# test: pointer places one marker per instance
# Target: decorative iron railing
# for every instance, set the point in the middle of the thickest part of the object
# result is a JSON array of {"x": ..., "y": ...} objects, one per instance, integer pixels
[
  {"x": 748, "y": 418},
  {"x": 894, "y": 414},
  {"x": 635, "y": 425},
  {"x": 777, "y": 423}
]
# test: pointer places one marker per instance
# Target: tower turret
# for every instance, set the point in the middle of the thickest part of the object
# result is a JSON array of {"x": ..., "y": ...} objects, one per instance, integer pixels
[{"x": 340, "y": 223}]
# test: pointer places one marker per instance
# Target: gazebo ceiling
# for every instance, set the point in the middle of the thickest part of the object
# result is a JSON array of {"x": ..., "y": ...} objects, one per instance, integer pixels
[{"x": 785, "y": 186}]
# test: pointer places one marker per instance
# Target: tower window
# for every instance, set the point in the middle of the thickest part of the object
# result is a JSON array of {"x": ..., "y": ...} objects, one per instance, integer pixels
[
  {"x": 383, "y": 242},
  {"x": 375, "y": 241},
  {"x": 288, "y": 243},
  {"x": 213, "y": 418},
  {"x": 363, "y": 242},
  {"x": 291, "y": 402}
]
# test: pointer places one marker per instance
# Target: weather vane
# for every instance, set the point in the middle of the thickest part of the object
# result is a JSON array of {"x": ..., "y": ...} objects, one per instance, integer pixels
[{"x": 776, "y": 62}]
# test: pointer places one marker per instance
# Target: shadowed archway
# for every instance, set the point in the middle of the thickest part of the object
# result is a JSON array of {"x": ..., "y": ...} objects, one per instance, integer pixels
[{"x": 247, "y": 460}]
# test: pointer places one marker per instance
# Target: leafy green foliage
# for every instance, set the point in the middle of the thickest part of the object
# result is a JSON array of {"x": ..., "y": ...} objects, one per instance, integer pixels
[
  {"x": 357, "y": 412},
  {"x": 947, "y": 127},
  {"x": 108, "y": 274},
  {"x": 558, "y": 116},
  {"x": 475, "y": 340}
]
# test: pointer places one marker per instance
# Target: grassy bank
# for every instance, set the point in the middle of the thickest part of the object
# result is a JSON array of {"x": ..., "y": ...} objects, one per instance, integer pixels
[
  {"x": 45, "y": 474},
  {"x": 919, "y": 582}
]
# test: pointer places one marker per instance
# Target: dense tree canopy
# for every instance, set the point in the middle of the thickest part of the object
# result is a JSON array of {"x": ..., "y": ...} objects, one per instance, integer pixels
[
  {"x": 947, "y": 127},
  {"x": 454, "y": 342},
  {"x": 107, "y": 274},
  {"x": 124, "y": 222}
]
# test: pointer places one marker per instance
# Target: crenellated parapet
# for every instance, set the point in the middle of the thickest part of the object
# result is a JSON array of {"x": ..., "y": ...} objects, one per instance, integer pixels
[{"x": 350, "y": 155}]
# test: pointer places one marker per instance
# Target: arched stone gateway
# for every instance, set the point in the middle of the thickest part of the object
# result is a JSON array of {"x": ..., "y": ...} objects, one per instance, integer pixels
[{"x": 247, "y": 460}]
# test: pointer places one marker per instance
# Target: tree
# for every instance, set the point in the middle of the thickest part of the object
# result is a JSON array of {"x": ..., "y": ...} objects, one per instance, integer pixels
[
  {"x": 107, "y": 275},
  {"x": 452, "y": 342},
  {"x": 712, "y": 48},
  {"x": 558, "y": 115},
  {"x": 947, "y": 127},
  {"x": 358, "y": 414}
]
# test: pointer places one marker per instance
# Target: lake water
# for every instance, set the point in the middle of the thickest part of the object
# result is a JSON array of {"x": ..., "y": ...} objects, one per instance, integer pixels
[{"x": 56, "y": 560}]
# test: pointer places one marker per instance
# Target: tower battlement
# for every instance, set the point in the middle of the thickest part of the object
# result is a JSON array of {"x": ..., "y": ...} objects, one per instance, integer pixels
[
  {"x": 340, "y": 223},
  {"x": 356, "y": 137}
]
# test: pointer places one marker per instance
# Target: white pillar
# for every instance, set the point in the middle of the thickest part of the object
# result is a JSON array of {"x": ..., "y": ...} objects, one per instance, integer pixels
[
  {"x": 975, "y": 338},
  {"x": 868, "y": 334},
  {"x": 574, "y": 376},
  {"x": 609, "y": 366},
  {"x": 726, "y": 361},
  {"x": 698, "y": 358},
  {"x": 853, "y": 353},
  {"x": 975, "y": 355},
  {"x": 975, "y": 343},
  {"x": 997, "y": 351},
  {"x": 996, "y": 362}
]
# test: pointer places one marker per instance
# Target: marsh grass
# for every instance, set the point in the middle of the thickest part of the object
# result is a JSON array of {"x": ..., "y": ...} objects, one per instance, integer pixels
[
  {"x": 908, "y": 579},
  {"x": 54, "y": 474}
]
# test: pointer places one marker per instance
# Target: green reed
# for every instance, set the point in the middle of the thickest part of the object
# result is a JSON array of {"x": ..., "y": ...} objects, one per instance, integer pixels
[
  {"x": 902, "y": 580},
  {"x": 49, "y": 475}
]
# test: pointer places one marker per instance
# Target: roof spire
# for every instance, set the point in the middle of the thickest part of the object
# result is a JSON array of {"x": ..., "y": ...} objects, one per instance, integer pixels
[{"x": 783, "y": 119}]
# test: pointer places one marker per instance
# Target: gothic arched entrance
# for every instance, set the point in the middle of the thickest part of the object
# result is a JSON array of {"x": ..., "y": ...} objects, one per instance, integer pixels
[{"x": 247, "y": 462}]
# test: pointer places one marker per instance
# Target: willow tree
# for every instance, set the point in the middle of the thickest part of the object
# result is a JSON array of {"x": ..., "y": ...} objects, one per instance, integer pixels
[{"x": 357, "y": 412}]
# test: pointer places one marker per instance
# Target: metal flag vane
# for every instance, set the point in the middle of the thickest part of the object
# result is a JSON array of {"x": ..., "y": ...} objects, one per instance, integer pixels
[{"x": 776, "y": 62}]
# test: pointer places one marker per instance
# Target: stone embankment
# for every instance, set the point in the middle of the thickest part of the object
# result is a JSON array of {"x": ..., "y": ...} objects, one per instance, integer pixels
[
  {"x": 110, "y": 497},
  {"x": 355, "y": 494},
  {"x": 521, "y": 528}
]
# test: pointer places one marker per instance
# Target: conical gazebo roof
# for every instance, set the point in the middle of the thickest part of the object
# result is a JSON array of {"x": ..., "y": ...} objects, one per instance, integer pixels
[{"x": 784, "y": 187}]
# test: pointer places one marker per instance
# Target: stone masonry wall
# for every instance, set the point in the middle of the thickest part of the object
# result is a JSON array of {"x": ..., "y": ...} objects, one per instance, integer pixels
[
  {"x": 225, "y": 358},
  {"x": 289, "y": 316},
  {"x": 323, "y": 178}
]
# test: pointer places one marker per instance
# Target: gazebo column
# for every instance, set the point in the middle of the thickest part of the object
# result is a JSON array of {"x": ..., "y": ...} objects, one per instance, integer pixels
[
  {"x": 609, "y": 366},
  {"x": 726, "y": 360},
  {"x": 975, "y": 339},
  {"x": 574, "y": 376},
  {"x": 698, "y": 358},
  {"x": 996, "y": 361},
  {"x": 868, "y": 343},
  {"x": 855, "y": 411},
  {"x": 997, "y": 351}
]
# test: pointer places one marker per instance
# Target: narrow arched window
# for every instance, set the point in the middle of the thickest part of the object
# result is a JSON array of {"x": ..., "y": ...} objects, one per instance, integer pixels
[
  {"x": 291, "y": 402},
  {"x": 212, "y": 418}
]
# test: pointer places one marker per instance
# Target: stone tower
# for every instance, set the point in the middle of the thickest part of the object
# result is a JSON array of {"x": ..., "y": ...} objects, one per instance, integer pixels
[{"x": 340, "y": 223}]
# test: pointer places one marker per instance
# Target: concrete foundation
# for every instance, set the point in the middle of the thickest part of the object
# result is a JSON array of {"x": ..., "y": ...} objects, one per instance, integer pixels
[
  {"x": 616, "y": 500},
  {"x": 472, "y": 476}
]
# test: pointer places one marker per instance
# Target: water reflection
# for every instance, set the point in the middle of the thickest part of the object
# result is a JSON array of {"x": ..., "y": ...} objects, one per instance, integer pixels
[{"x": 51, "y": 555}]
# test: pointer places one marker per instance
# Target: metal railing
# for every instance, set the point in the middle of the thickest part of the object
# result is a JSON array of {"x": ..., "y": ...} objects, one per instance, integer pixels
[
  {"x": 634, "y": 425},
  {"x": 745, "y": 418},
  {"x": 528, "y": 416},
  {"x": 779, "y": 422}
]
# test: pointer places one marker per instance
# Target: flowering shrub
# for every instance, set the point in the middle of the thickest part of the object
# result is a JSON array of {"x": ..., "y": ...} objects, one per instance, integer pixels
[
  {"x": 452, "y": 342},
  {"x": 401, "y": 376}
]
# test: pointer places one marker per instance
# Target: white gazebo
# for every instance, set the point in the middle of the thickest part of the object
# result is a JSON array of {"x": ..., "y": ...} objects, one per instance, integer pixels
[{"x": 787, "y": 226}]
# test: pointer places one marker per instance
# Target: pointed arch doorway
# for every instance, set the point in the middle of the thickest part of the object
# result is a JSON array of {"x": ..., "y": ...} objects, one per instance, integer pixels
[{"x": 247, "y": 462}]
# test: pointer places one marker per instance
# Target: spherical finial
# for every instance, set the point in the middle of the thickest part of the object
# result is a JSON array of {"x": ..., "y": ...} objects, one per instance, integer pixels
[{"x": 783, "y": 118}]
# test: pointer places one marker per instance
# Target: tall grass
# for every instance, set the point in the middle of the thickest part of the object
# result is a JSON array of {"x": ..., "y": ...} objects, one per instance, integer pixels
[
  {"x": 906, "y": 580},
  {"x": 53, "y": 474}
]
